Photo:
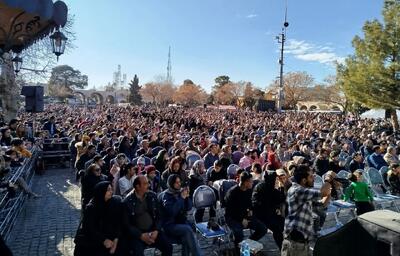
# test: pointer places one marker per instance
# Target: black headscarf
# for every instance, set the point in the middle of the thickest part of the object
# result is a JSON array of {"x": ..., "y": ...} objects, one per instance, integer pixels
[
  {"x": 99, "y": 192},
  {"x": 270, "y": 179},
  {"x": 170, "y": 183}
]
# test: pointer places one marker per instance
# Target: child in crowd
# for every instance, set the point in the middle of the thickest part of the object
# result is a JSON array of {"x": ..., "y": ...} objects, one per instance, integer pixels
[{"x": 359, "y": 192}]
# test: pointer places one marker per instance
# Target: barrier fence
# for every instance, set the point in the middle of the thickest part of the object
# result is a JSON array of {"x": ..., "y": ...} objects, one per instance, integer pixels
[{"x": 12, "y": 204}]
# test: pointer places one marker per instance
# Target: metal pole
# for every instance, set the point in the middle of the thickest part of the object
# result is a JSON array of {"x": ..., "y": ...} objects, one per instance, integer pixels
[
  {"x": 282, "y": 39},
  {"x": 280, "y": 92}
]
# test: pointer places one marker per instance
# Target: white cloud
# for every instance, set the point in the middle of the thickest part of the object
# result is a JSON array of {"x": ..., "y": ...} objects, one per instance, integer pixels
[
  {"x": 251, "y": 16},
  {"x": 306, "y": 51}
]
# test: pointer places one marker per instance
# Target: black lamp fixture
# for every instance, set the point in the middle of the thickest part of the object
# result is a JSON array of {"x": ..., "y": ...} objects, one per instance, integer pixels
[
  {"x": 17, "y": 62},
  {"x": 58, "y": 41}
]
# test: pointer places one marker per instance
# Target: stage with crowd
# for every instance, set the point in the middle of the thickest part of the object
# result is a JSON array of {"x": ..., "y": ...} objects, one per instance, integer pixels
[{"x": 146, "y": 174}]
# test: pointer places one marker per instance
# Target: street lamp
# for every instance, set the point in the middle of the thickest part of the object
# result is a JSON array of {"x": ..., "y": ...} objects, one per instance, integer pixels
[
  {"x": 17, "y": 62},
  {"x": 58, "y": 41}
]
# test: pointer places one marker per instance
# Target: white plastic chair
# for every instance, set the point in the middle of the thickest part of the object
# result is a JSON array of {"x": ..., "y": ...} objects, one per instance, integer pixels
[
  {"x": 377, "y": 184},
  {"x": 343, "y": 174},
  {"x": 318, "y": 181}
]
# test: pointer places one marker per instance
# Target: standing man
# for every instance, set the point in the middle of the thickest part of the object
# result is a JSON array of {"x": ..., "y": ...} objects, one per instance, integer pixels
[
  {"x": 141, "y": 220},
  {"x": 299, "y": 228}
]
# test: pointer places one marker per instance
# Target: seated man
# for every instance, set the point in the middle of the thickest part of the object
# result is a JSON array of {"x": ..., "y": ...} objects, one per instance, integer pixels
[
  {"x": 393, "y": 178},
  {"x": 141, "y": 220},
  {"x": 175, "y": 202},
  {"x": 376, "y": 159},
  {"x": 238, "y": 211}
]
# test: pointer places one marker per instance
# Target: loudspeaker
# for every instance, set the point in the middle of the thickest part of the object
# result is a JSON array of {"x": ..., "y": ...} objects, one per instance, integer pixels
[{"x": 33, "y": 98}]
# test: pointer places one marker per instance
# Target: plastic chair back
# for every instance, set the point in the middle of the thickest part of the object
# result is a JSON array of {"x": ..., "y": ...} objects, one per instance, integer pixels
[
  {"x": 147, "y": 161},
  {"x": 374, "y": 176},
  {"x": 204, "y": 197},
  {"x": 153, "y": 160},
  {"x": 318, "y": 181},
  {"x": 343, "y": 174},
  {"x": 232, "y": 170},
  {"x": 222, "y": 186},
  {"x": 134, "y": 161},
  {"x": 384, "y": 170},
  {"x": 384, "y": 173},
  {"x": 190, "y": 159}
]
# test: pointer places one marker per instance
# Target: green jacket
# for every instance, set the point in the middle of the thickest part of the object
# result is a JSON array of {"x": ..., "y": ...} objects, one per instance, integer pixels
[{"x": 358, "y": 192}]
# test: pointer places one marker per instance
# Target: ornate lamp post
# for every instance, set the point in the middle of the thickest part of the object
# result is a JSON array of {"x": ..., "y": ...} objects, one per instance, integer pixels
[
  {"x": 22, "y": 23},
  {"x": 17, "y": 62},
  {"x": 58, "y": 41}
]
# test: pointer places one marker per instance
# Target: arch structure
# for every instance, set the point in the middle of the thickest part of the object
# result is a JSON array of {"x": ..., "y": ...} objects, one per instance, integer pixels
[
  {"x": 318, "y": 106},
  {"x": 99, "y": 97}
]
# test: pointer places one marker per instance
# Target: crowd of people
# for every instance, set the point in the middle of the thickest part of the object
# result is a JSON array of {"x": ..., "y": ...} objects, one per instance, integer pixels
[{"x": 139, "y": 167}]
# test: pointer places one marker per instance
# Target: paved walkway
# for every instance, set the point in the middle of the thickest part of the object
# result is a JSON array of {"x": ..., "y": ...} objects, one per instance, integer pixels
[{"x": 47, "y": 225}]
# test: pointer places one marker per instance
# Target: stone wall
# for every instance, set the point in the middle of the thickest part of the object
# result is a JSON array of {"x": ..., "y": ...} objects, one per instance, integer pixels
[{"x": 8, "y": 88}]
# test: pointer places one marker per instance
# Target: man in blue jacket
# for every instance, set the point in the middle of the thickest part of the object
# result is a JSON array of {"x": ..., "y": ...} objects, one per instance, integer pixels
[
  {"x": 376, "y": 159},
  {"x": 175, "y": 203}
]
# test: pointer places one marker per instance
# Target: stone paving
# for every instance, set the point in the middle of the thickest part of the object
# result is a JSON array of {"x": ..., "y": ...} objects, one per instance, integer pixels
[{"x": 47, "y": 225}]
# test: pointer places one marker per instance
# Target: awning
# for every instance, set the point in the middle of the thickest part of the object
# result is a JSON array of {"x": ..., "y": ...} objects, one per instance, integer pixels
[{"x": 23, "y": 22}]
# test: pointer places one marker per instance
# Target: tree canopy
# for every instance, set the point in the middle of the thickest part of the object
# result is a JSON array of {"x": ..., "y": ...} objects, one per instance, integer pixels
[
  {"x": 370, "y": 76},
  {"x": 190, "y": 94},
  {"x": 65, "y": 79},
  {"x": 135, "y": 97}
]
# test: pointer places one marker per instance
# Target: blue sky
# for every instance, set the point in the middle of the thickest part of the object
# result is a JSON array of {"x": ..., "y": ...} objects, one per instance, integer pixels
[{"x": 212, "y": 37}]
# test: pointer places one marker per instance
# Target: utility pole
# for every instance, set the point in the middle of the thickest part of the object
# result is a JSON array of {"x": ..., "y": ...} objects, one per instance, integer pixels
[
  {"x": 281, "y": 39},
  {"x": 169, "y": 67}
]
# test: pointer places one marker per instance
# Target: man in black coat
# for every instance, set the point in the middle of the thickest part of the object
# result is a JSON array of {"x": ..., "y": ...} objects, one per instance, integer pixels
[
  {"x": 321, "y": 164},
  {"x": 357, "y": 162},
  {"x": 50, "y": 126},
  {"x": 238, "y": 211},
  {"x": 267, "y": 202},
  {"x": 141, "y": 221}
]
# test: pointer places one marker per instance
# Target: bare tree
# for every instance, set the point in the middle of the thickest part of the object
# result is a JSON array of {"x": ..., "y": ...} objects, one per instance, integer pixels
[{"x": 295, "y": 88}]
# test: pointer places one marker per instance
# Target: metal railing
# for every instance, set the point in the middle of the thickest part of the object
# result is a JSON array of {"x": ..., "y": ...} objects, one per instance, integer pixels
[{"x": 11, "y": 205}]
